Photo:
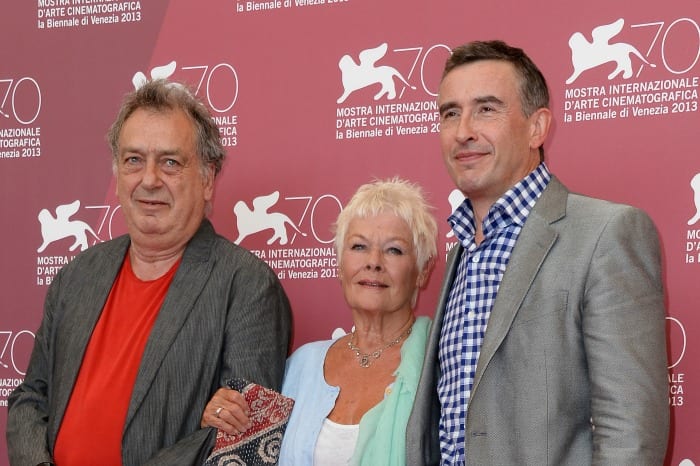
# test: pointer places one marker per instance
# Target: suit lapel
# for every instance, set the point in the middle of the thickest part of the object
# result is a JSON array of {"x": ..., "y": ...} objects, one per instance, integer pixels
[
  {"x": 77, "y": 325},
  {"x": 432, "y": 349},
  {"x": 533, "y": 245},
  {"x": 192, "y": 275},
  {"x": 453, "y": 259}
]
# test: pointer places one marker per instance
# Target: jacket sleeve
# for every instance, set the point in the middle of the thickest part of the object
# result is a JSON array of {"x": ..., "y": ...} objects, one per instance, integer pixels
[
  {"x": 28, "y": 405},
  {"x": 258, "y": 330},
  {"x": 256, "y": 341},
  {"x": 623, "y": 325}
]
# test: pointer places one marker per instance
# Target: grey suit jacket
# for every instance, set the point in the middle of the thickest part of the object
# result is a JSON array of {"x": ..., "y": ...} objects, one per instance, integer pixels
[
  {"x": 225, "y": 314},
  {"x": 572, "y": 370}
]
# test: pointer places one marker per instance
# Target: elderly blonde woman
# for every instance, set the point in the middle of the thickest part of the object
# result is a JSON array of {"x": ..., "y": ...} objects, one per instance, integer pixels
[{"x": 354, "y": 394}]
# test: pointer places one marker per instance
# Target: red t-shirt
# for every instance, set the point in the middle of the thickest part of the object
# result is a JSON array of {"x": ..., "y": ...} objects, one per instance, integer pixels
[{"x": 92, "y": 426}]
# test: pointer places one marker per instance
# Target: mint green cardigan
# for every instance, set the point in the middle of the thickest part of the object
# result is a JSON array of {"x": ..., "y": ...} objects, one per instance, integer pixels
[{"x": 382, "y": 437}]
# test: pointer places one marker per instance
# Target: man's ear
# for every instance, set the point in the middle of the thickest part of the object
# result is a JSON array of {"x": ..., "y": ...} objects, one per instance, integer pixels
[
  {"x": 540, "y": 121},
  {"x": 208, "y": 181}
]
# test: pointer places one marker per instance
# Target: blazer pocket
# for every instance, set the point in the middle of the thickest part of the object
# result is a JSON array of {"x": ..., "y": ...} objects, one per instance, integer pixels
[{"x": 542, "y": 306}]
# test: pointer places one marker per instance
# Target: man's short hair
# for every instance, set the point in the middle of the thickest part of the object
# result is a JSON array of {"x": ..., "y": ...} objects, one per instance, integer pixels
[
  {"x": 534, "y": 93},
  {"x": 163, "y": 96}
]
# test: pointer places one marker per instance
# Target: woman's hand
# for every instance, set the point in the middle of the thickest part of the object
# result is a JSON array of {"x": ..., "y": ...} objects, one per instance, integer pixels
[{"x": 227, "y": 410}]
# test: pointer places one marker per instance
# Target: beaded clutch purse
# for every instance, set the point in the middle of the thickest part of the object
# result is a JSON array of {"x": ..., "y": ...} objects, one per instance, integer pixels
[{"x": 260, "y": 444}]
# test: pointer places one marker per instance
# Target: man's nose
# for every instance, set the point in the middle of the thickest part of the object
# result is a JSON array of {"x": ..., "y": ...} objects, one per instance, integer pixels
[
  {"x": 465, "y": 129},
  {"x": 151, "y": 173}
]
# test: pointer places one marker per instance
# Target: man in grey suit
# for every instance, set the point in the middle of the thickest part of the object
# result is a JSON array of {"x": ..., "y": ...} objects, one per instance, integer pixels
[
  {"x": 548, "y": 345},
  {"x": 139, "y": 332}
]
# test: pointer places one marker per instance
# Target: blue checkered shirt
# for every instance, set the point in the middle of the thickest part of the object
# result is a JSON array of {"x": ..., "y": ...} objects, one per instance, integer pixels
[{"x": 471, "y": 298}]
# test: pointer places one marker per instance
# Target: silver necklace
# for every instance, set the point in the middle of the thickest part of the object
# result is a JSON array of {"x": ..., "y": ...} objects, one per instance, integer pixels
[{"x": 366, "y": 359}]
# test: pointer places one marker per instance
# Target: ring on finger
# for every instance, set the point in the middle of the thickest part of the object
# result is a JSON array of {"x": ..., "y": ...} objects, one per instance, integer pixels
[{"x": 218, "y": 411}]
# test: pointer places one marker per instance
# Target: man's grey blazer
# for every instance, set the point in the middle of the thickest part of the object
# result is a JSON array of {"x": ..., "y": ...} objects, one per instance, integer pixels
[
  {"x": 572, "y": 370},
  {"x": 225, "y": 315}
]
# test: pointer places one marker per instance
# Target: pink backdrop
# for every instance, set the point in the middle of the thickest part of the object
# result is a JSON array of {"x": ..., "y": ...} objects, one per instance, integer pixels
[{"x": 274, "y": 73}]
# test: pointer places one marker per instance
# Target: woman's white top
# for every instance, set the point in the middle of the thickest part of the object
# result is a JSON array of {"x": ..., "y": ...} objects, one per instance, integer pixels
[{"x": 335, "y": 444}]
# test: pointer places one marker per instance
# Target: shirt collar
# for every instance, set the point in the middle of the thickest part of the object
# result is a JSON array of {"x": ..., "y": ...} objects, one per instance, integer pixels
[{"x": 511, "y": 208}]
